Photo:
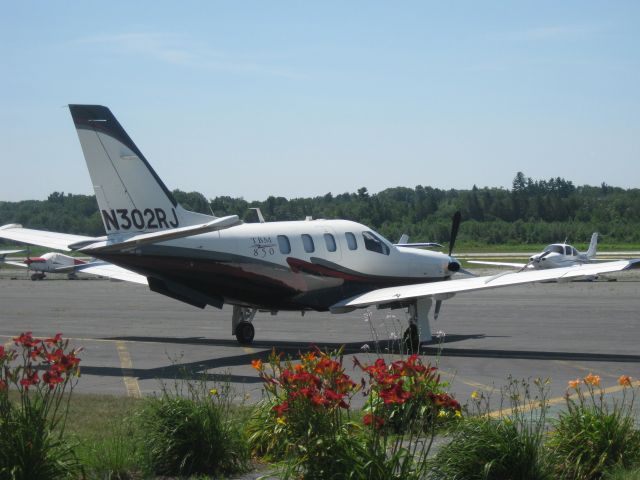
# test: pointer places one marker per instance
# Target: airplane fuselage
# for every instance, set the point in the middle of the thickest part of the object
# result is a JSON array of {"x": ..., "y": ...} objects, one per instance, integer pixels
[
  {"x": 293, "y": 265},
  {"x": 52, "y": 262},
  {"x": 558, "y": 255}
]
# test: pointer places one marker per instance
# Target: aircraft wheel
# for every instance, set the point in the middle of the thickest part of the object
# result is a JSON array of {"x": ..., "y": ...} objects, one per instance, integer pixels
[{"x": 245, "y": 333}]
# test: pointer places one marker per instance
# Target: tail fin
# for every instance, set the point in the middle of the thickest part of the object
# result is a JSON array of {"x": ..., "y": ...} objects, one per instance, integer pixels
[
  {"x": 130, "y": 195},
  {"x": 593, "y": 245}
]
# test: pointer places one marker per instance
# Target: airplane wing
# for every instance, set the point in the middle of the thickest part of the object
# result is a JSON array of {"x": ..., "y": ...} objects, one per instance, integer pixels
[
  {"x": 500, "y": 264},
  {"x": 58, "y": 241},
  {"x": 16, "y": 264},
  {"x": 104, "y": 269},
  {"x": 4, "y": 253},
  {"x": 412, "y": 292}
]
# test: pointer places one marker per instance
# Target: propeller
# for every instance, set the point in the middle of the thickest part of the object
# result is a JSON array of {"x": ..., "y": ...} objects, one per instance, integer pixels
[{"x": 535, "y": 260}]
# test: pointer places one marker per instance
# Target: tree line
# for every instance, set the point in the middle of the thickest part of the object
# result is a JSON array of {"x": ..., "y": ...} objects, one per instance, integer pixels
[{"x": 532, "y": 211}]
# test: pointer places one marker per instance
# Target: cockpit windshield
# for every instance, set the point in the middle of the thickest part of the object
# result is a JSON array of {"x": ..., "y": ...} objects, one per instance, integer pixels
[
  {"x": 555, "y": 249},
  {"x": 375, "y": 244}
]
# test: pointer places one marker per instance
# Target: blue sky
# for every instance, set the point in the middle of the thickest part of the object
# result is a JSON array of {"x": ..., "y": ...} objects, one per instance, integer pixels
[{"x": 256, "y": 98}]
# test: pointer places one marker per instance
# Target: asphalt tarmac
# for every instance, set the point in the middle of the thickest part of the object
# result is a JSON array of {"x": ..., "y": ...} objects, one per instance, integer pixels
[{"x": 135, "y": 339}]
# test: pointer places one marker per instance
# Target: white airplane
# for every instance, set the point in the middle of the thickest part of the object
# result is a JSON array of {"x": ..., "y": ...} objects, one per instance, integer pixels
[
  {"x": 50, "y": 262},
  {"x": 556, "y": 255},
  {"x": 322, "y": 265},
  {"x": 54, "y": 262}
]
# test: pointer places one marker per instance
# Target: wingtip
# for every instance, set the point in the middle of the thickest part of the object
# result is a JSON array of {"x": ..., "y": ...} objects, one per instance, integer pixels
[{"x": 10, "y": 225}]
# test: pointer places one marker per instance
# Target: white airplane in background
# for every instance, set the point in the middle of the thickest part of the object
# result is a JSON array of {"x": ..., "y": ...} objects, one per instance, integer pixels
[
  {"x": 322, "y": 265},
  {"x": 50, "y": 262},
  {"x": 556, "y": 255},
  {"x": 54, "y": 262}
]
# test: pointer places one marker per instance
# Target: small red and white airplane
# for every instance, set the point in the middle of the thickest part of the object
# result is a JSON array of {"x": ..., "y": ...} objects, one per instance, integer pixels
[
  {"x": 50, "y": 262},
  {"x": 54, "y": 262},
  {"x": 556, "y": 255},
  {"x": 322, "y": 265}
]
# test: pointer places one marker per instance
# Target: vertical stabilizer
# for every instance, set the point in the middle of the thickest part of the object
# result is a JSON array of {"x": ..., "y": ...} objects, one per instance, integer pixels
[
  {"x": 593, "y": 245},
  {"x": 131, "y": 197}
]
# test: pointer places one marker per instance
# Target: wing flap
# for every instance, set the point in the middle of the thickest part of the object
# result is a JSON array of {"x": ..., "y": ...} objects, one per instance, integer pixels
[{"x": 504, "y": 279}]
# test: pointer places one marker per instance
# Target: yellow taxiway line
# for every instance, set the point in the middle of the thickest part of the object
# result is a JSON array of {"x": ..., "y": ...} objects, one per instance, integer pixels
[
  {"x": 557, "y": 400},
  {"x": 130, "y": 382}
]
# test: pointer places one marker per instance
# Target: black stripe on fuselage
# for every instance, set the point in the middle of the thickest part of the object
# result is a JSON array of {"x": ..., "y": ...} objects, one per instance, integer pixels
[{"x": 253, "y": 282}]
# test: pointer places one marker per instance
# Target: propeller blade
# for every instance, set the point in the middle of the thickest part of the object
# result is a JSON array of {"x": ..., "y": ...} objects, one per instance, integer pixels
[
  {"x": 455, "y": 225},
  {"x": 467, "y": 272}
]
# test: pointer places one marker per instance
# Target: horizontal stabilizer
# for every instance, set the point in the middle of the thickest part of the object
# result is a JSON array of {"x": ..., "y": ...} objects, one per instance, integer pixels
[
  {"x": 108, "y": 270},
  {"x": 57, "y": 241},
  {"x": 163, "y": 236}
]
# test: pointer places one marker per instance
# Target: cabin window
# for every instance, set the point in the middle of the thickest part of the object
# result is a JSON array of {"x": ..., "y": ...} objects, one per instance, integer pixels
[
  {"x": 351, "y": 241},
  {"x": 374, "y": 244},
  {"x": 330, "y": 242},
  {"x": 307, "y": 243},
  {"x": 284, "y": 244},
  {"x": 555, "y": 249}
]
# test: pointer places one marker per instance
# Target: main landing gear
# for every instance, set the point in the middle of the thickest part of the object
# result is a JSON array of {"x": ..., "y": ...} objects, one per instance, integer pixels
[
  {"x": 419, "y": 330},
  {"x": 241, "y": 325},
  {"x": 38, "y": 276}
]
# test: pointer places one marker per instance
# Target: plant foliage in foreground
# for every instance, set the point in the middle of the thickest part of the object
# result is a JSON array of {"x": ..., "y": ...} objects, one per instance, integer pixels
[
  {"x": 193, "y": 434},
  {"x": 32, "y": 443},
  {"x": 593, "y": 437},
  {"x": 510, "y": 446},
  {"x": 306, "y": 419}
]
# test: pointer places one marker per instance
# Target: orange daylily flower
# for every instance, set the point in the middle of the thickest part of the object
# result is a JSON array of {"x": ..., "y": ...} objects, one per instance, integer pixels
[
  {"x": 574, "y": 383},
  {"x": 624, "y": 380},
  {"x": 257, "y": 364},
  {"x": 593, "y": 380}
]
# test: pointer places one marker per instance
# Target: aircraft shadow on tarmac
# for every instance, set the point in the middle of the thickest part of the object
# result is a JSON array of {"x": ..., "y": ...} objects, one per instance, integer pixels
[
  {"x": 194, "y": 370},
  {"x": 197, "y": 369}
]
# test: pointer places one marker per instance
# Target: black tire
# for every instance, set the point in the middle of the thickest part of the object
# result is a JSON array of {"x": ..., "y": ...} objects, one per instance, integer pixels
[{"x": 245, "y": 333}]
